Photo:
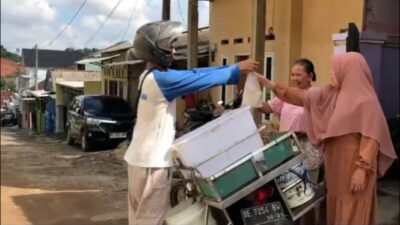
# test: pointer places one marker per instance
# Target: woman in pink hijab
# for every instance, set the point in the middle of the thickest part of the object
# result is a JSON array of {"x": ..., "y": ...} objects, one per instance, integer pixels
[{"x": 346, "y": 119}]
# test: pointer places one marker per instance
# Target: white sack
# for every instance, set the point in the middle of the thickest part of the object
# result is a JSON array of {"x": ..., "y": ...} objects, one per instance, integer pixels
[{"x": 252, "y": 94}]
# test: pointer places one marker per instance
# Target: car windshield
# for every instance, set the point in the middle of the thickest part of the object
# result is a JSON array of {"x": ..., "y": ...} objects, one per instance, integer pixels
[{"x": 106, "y": 104}]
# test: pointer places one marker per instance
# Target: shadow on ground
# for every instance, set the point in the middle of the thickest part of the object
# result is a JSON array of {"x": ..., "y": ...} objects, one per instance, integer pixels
[{"x": 80, "y": 208}]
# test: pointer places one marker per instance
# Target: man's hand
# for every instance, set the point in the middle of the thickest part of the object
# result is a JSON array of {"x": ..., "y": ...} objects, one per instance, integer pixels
[
  {"x": 248, "y": 65},
  {"x": 358, "y": 181}
]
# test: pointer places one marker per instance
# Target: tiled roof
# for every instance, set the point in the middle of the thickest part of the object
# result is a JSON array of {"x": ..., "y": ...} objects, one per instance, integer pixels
[{"x": 50, "y": 58}]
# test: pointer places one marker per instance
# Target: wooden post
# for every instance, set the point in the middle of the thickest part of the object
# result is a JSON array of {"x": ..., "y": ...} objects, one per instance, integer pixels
[
  {"x": 193, "y": 18},
  {"x": 166, "y": 10},
  {"x": 258, "y": 40}
]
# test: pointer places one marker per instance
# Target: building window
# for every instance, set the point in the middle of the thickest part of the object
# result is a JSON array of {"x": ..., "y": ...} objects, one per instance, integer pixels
[
  {"x": 268, "y": 73},
  {"x": 105, "y": 86},
  {"x": 224, "y": 42},
  {"x": 114, "y": 88},
  {"x": 121, "y": 89},
  {"x": 238, "y": 40}
]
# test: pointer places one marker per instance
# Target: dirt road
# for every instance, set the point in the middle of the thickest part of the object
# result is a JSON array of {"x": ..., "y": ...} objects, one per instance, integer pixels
[{"x": 44, "y": 181}]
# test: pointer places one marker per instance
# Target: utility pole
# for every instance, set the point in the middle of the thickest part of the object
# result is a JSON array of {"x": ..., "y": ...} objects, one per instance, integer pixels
[
  {"x": 36, "y": 67},
  {"x": 193, "y": 19},
  {"x": 258, "y": 40},
  {"x": 166, "y": 10}
]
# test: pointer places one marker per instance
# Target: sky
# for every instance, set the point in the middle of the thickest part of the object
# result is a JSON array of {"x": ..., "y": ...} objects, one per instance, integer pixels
[{"x": 25, "y": 23}]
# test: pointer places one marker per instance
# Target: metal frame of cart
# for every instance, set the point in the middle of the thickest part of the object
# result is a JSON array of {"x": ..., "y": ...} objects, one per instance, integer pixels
[{"x": 222, "y": 203}]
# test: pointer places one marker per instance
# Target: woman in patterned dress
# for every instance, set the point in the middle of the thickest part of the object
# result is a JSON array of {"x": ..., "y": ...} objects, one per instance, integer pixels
[{"x": 291, "y": 118}]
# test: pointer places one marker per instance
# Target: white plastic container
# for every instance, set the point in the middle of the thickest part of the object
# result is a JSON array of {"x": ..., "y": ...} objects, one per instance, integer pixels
[
  {"x": 220, "y": 142},
  {"x": 189, "y": 213}
]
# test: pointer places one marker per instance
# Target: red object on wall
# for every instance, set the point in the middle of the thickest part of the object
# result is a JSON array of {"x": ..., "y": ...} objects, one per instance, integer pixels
[{"x": 190, "y": 101}]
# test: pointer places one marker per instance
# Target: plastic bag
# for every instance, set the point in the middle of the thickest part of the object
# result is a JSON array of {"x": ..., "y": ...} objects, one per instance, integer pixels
[{"x": 252, "y": 94}]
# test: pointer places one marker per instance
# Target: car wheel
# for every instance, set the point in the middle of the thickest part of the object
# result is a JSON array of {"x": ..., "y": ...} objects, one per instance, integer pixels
[
  {"x": 70, "y": 140},
  {"x": 85, "y": 144}
]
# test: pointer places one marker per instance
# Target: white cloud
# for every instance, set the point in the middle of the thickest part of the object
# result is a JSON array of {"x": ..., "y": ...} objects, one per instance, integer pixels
[
  {"x": 89, "y": 22},
  {"x": 26, "y": 12},
  {"x": 38, "y": 21}
]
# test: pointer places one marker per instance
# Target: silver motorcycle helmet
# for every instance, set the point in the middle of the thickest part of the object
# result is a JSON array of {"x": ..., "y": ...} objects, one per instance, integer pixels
[{"x": 154, "y": 41}]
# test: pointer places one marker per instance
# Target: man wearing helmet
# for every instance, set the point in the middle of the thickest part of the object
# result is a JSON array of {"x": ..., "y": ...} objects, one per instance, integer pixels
[{"x": 149, "y": 156}]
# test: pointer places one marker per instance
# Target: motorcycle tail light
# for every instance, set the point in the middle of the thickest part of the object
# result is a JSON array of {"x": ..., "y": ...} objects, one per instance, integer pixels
[{"x": 263, "y": 194}]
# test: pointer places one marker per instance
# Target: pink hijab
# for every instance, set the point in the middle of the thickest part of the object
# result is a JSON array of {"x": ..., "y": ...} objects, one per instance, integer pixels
[{"x": 353, "y": 108}]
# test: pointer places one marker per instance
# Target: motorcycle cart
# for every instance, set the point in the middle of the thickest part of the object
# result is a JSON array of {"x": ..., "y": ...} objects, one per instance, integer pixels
[{"x": 226, "y": 177}]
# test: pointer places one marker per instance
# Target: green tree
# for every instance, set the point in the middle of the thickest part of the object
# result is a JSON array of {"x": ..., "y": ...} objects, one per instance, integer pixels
[
  {"x": 9, "y": 55},
  {"x": 85, "y": 51},
  {"x": 2, "y": 83},
  {"x": 5, "y": 84}
]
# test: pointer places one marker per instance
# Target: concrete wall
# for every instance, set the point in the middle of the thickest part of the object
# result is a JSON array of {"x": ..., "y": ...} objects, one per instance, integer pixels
[
  {"x": 230, "y": 19},
  {"x": 74, "y": 75},
  {"x": 30, "y": 82},
  {"x": 302, "y": 28},
  {"x": 320, "y": 20},
  {"x": 92, "y": 87}
]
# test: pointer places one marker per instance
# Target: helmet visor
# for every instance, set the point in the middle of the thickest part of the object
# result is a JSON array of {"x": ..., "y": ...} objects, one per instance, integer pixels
[{"x": 170, "y": 31}]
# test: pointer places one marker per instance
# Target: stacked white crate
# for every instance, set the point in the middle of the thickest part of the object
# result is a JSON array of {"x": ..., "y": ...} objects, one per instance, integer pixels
[{"x": 219, "y": 143}]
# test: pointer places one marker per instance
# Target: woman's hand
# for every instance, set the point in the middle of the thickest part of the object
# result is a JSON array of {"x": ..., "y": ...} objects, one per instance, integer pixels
[
  {"x": 264, "y": 82},
  {"x": 358, "y": 181}
]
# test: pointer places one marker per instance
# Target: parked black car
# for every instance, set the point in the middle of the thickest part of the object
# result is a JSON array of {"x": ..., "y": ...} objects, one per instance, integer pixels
[
  {"x": 98, "y": 119},
  {"x": 8, "y": 119}
]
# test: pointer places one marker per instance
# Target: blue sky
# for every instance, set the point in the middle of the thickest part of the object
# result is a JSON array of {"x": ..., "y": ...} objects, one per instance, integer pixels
[{"x": 27, "y": 22}]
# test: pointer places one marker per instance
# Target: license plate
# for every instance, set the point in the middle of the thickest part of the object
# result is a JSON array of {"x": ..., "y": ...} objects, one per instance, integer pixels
[
  {"x": 118, "y": 135},
  {"x": 263, "y": 214}
]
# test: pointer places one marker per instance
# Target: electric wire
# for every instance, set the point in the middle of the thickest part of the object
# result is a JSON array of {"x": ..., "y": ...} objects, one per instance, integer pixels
[
  {"x": 69, "y": 23},
  {"x": 102, "y": 24},
  {"x": 130, "y": 20},
  {"x": 180, "y": 12}
]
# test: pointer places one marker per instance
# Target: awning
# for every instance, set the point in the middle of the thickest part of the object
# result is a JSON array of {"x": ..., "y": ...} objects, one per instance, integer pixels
[
  {"x": 130, "y": 62},
  {"x": 25, "y": 76},
  {"x": 28, "y": 99},
  {"x": 97, "y": 59},
  {"x": 39, "y": 94},
  {"x": 71, "y": 84}
]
